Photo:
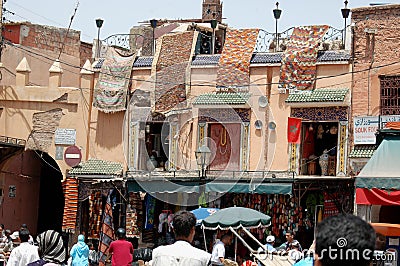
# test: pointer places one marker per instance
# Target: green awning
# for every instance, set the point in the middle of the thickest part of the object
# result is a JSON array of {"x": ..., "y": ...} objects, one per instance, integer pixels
[
  {"x": 382, "y": 171},
  {"x": 162, "y": 186},
  {"x": 262, "y": 188},
  {"x": 386, "y": 183}
]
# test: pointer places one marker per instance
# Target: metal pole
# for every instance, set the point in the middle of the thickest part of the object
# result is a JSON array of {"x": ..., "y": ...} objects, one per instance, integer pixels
[
  {"x": 153, "y": 44},
  {"x": 213, "y": 42},
  {"x": 276, "y": 35},
  {"x": 1, "y": 29},
  {"x": 344, "y": 38},
  {"x": 98, "y": 43}
]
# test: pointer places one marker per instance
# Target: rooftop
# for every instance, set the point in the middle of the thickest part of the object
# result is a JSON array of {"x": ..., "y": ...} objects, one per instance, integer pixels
[
  {"x": 96, "y": 167},
  {"x": 318, "y": 95},
  {"x": 222, "y": 98}
]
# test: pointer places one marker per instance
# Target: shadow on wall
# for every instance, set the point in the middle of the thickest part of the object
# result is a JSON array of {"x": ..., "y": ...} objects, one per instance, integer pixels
[{"x": 109, "y": 129}]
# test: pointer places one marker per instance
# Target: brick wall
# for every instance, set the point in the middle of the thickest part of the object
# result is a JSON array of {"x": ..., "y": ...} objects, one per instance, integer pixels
[
  {"x": 380, "y": 42},
  {"x": 51, "y": 39},
  {"x": 85, "y": 52}
]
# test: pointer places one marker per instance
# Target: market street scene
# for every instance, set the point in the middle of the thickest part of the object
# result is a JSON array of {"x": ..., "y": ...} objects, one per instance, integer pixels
[{"x": 189, "y": 141}]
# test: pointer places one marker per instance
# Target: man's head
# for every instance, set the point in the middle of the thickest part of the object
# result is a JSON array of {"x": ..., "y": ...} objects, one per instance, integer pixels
[
  {"x": 226, "y": 239},
  {"x": 184, "y": 223},
  {"x": 24, "y": 235},
  {"x": 270, "y": 240},
  {"x": 289, "y": 236},
  {"x": 344, "y": 239},
  {"x": 121, "y": 233},
  {"x": 24, "y": 226}
]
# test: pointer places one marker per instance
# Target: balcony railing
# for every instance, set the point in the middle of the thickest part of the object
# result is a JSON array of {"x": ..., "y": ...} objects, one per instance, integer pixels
[
  {"x": 266, "y": 41},
  {"x": 223, "y": 175},
  {"x": 129, "y": 43}
]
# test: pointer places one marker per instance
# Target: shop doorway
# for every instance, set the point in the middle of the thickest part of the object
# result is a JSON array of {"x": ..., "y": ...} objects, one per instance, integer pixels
[
  {"x": 225, "y": 146},
  {"x": 157, "y": 141},
  {"x": 51, "y": 196},
  {"x": 319, "y": 148}
]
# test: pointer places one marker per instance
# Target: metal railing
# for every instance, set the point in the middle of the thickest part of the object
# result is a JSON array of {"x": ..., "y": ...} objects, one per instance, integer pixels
[
  {"x": 223, "y": 175},
  {"x": 129, "y": 43},
  {"x": 10, "y": 141},
  {"x": 266, "y": 41}
]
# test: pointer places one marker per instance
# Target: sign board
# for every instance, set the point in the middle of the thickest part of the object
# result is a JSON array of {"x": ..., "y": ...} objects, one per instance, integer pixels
[
  {"x": 388, "y": 118},
  {"x": 65, "y": 136},
  {"x": 72, "y": 156},
  {"x": 365, "y": 128},
  {"x": 59, "y": 152}
]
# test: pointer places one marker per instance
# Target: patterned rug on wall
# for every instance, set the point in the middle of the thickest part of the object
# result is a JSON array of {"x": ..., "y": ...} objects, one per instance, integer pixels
[
  {"x": 112, "y": 87},
  {"x": 70, "y": 187},
  {"x": 299, "y": 61},
  {"x": 171, "y": 69},
  {"x": 233, "y": 72}
]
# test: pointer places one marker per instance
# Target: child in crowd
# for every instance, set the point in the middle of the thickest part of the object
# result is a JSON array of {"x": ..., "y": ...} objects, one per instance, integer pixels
[{"x": 93, "y": 255}]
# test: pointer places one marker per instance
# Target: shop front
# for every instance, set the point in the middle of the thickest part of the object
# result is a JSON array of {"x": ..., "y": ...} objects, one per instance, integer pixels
[{"x": 322, "y": 149}]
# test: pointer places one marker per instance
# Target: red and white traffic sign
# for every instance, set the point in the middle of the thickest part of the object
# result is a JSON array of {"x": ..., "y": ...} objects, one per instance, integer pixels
[{"x": 72, "y": 156}]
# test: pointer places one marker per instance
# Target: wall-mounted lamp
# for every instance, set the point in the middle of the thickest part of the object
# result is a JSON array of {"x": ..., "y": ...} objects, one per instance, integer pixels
[
  {"x": 99, "y": 24},
  {"x": 277, "y": 16},
  {"x": 153, "y": 24},
  {"x": 345, "y": 15}
]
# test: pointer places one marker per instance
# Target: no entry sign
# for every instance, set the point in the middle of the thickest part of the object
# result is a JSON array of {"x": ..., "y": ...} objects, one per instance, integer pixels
[{"x": 72, "y": 156}]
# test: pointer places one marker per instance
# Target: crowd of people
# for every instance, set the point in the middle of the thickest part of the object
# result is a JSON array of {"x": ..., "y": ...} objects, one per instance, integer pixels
[{"x": 19, "y": 248}]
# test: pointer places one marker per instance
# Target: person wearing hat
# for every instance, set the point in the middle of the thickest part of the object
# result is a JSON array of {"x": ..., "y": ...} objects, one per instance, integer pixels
[{"x": 269, "y": 246}]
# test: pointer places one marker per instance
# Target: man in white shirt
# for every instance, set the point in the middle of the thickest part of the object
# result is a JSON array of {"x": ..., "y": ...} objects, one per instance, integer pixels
[
  {"x": 25, "y": 253},
  {"x": 181, "y": 253},
  {"x": 218, "y": 252}
]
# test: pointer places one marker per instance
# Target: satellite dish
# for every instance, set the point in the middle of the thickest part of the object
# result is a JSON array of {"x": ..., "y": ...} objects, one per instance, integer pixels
[
  {"x": 258, "y": 124},
  {"x": 263, "y": 101},
  {"x": 272, "y": 125}
]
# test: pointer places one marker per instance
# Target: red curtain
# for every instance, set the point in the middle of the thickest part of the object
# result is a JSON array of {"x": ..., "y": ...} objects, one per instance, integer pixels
[
  {"x": 293, "y": 130},
  {"x": 377, "y": 197}
]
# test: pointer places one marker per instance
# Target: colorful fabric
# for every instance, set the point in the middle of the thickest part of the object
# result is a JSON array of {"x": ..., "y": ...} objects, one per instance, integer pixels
[
  {"x": 330, "y": 207},
  {"x": 299, "y": 61},
  {"x": 134, "y": 216},
  {"x": 51, "y": 246},
  {"x": 150, "y": 209},
  {"x": 112, "y": 86},
  {"x": 173, "y": 57},
  {"x": 107, "y": 232},
  {"x": 70, "y": 186},
  {"x": 95, "y": 210},
  {"x": 294, "y": 130},
  {"x": 233, "y": 72}
]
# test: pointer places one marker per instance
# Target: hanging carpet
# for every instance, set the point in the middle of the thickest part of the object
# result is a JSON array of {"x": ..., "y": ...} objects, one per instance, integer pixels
[
  {"x": 171, "y": 68},
  {"x": 111, "y": 89},
  {"x": 299, "y": 61},
  {"x": 70, "y": 186},
  {"x": 233, "y": 72}
]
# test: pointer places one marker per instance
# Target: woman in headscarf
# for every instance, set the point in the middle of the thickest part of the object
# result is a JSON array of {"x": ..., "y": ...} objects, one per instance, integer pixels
[
  {"x": 51, "y": 249},
  {"x": 80, "y": 253}
]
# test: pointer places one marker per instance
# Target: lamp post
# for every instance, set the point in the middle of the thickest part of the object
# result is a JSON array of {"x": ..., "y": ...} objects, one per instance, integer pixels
[
  {"x": 277, "y": 15},
  {"x": 345, "y": 15},
  {"x": 214, "y": 24},
  {"x": 153, "y": 24},
  {"x": 99, "y": 23},
  {"x": 203, "y": 155}
]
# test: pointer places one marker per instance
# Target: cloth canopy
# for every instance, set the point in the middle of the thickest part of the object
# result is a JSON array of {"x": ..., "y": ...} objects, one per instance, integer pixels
[
  {"x": 236, "y": 217},
  {"x": 379, "y": 181}
]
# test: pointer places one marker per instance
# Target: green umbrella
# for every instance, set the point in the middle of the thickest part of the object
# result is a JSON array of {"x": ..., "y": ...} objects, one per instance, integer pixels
[{"x": 236, "y": 217}]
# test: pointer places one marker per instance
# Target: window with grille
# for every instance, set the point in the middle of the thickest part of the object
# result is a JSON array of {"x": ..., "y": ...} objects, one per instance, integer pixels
[{"x": 390, "y": 95}]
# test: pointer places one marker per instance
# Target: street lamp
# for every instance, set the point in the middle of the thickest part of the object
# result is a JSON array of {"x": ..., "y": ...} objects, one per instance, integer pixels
[
  {"x": 277, "y": 15},
  {"x": 345, "y": 15},
  {"x": 99, "y": 23},
  {"x": 153, "y": 24},
  {"x": 214, "y": 24},
  {"x": 203, "y": 155}
]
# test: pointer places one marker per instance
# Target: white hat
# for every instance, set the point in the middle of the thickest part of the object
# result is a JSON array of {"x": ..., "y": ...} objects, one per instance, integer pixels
[
  {"x": 14, "y": 235},
  {"x": 270, "y": 239}
]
